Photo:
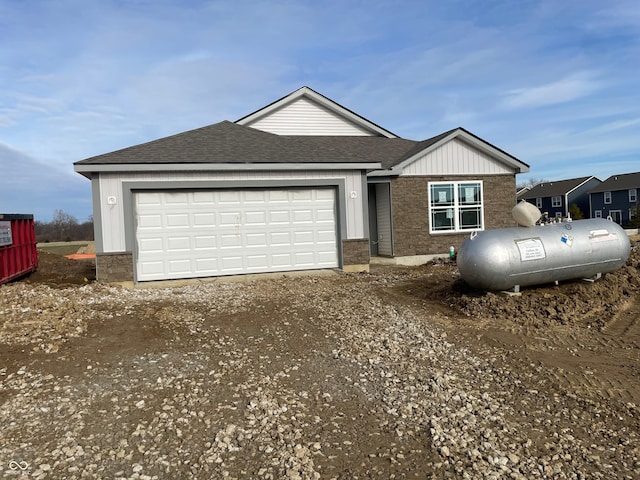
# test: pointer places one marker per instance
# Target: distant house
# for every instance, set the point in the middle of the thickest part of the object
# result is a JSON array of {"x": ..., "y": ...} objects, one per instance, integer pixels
[
  {"x": 520, "y": 193},
  {"x": 555, "y": 198},
  {"x": 303, "y": 183},
  {"x": 616, "y": 197}
]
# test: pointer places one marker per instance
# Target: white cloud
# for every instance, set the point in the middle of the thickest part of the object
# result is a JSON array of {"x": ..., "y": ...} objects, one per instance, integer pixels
[{"x": 564, "y": 90}]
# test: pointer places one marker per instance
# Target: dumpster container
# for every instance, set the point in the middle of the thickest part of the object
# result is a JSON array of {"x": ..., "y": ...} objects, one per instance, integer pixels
[{"x": 18, "y": 253}]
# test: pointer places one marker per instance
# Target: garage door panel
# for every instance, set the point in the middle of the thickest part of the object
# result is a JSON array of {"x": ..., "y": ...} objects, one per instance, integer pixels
[
  {"x": 257, "y": 262},
  {"x": 325, "y": 236},
  {"x": 232, "y": 264},
  {"x": 204, "y": 197},
  {"x": 281, "y": 260},
  {"x": 302, "y": 216},
  {"x": 255, "y": 218},
  {"x": 205, "y": 242},
  {"x": 177, "y": 244},
  {"x": 304, "y": 237},
  {"x": 325, "y": 216},
  {"x": 180, "y": 266},
  {"x": 223, "y": 232},
  {"x": 151, "y": 245},
  {"x": 229, "y": 197},
  {"x": 229, "y": 219},
  {"x": 279, "y": 217},
  {"x": 204, "y": 219},
  {"x": 257, "y": 240},
  {"x": 150, "y": 221},
  {"x": 207, "y": 264},
  {"x": 177, "y": 198}
]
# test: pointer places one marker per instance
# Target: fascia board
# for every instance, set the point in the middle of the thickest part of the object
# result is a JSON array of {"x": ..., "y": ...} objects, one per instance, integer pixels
[
  {"x": 580, "y": 184},
  {"x": 221, "y": 167}
]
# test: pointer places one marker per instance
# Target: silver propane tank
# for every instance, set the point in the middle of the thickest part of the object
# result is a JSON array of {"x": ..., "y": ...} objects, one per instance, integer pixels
[{"x": 509, "y": 258}]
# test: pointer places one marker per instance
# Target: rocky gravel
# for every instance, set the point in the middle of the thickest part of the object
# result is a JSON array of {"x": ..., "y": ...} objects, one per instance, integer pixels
[{"x": 332, "y": 376}]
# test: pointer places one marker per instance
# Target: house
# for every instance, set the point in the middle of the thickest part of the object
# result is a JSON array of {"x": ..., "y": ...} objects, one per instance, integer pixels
[
  {"x": 303, "y": 183},
  {"x": 555, "y": 198},
  {"x": 616, "y": 197},
  {"x": 521, "y": 192}
]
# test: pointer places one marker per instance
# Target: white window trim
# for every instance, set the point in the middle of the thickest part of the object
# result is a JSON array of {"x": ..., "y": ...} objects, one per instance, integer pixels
[
  {"x": 631, "y": 213},
  {"x": 538, "y": 202},
  {"x": 456, "y": 207},
  {"x": 607, "y": 198},
  {"x": 633, "y": 195},
  {"x": 598, "y": 214},
  {"x": 556, "y": 201}
]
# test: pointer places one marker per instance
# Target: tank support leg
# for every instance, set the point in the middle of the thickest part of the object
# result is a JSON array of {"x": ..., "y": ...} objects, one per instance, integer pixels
[{"x": 594, "y": 278}]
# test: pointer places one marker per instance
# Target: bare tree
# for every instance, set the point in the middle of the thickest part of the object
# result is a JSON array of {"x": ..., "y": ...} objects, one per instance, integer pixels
[{"x": 530, "y": 183}]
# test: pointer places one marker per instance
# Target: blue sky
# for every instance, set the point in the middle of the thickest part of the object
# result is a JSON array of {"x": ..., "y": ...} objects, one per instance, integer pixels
[{"x": 554, "y": 83}]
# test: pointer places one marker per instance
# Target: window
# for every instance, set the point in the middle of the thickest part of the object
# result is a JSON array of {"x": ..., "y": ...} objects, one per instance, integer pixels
[
  {"x": 556, "y": 201},
  {"x": 539, "y": 202},
  {"x": 632, "y": 213},
  {"x": 633, "y": 195},
  {"x": 455, "y": 206},
  {"x": 607, "y": 197},
  {"x": 558, "y": 214},
  {"x": 598, "y": 213}
]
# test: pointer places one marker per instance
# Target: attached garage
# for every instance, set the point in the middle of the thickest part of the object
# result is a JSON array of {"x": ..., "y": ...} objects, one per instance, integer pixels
[{"x": 203, "y": 233}]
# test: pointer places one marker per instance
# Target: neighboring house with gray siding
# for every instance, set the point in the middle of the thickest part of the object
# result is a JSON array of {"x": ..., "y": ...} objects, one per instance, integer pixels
[
  {"x": 616, "y": 197},
  {"x": 303, "y": 183},
  {"x": 555, "y": 198}
]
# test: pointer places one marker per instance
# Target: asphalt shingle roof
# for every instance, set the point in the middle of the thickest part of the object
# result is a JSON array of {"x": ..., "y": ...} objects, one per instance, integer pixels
[
  {"x": 623, "y": 181},
  {"x": 227, "y": 142},
  {"x": 552, "y": 189}
]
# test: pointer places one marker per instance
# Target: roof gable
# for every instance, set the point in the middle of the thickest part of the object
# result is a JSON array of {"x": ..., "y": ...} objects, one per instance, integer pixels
[
  {"x": 552, "y": 189},
  {"x": 494, "y": 159},
  {"x": 307, "y": 112}
]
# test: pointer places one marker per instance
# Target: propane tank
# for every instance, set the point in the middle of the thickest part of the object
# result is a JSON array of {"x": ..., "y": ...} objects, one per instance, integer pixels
[{"x": 508, "y": 258}]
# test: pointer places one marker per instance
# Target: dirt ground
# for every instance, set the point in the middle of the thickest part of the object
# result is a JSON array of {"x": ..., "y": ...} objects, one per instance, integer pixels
[{"x": 563, "y": 360}]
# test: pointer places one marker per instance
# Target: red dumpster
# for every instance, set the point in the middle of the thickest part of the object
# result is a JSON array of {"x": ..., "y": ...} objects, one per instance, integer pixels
[{"x": 18, "y": 253}]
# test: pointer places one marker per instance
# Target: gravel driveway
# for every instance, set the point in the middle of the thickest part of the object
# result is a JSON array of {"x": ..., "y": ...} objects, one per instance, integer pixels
[{"x": 335, "y": 376}]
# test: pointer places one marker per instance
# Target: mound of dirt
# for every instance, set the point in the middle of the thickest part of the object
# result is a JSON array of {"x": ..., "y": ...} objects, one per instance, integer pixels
[
  {"x": 58, "y": 271},
  {"x": 568, "y": 303}
]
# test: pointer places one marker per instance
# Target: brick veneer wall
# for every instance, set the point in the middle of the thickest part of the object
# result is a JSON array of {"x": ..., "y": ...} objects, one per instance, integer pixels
[
  {"x": 114, "y": 267},
  {"x": 410, "y": 205},
  {"x": 355, "y": 251}
]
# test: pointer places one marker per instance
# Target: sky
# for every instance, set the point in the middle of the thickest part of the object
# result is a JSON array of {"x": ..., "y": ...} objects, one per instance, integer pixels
[{"x": 554, "y": 83}]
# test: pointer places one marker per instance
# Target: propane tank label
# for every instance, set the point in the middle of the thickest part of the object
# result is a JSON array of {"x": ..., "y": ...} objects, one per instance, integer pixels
[
  {"x": 5, "y": 233},
  {"x": 566, "y": 239},
  {"x": 531, "y": 249}
]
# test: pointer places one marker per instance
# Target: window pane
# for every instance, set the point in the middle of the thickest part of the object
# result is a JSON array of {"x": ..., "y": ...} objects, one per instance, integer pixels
[
  {"x": 470, "y": 218},
  {"x": 469, "y": 194},
  {"x": 441, "y": 195},
  {"x": 442, "y": 219}
]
